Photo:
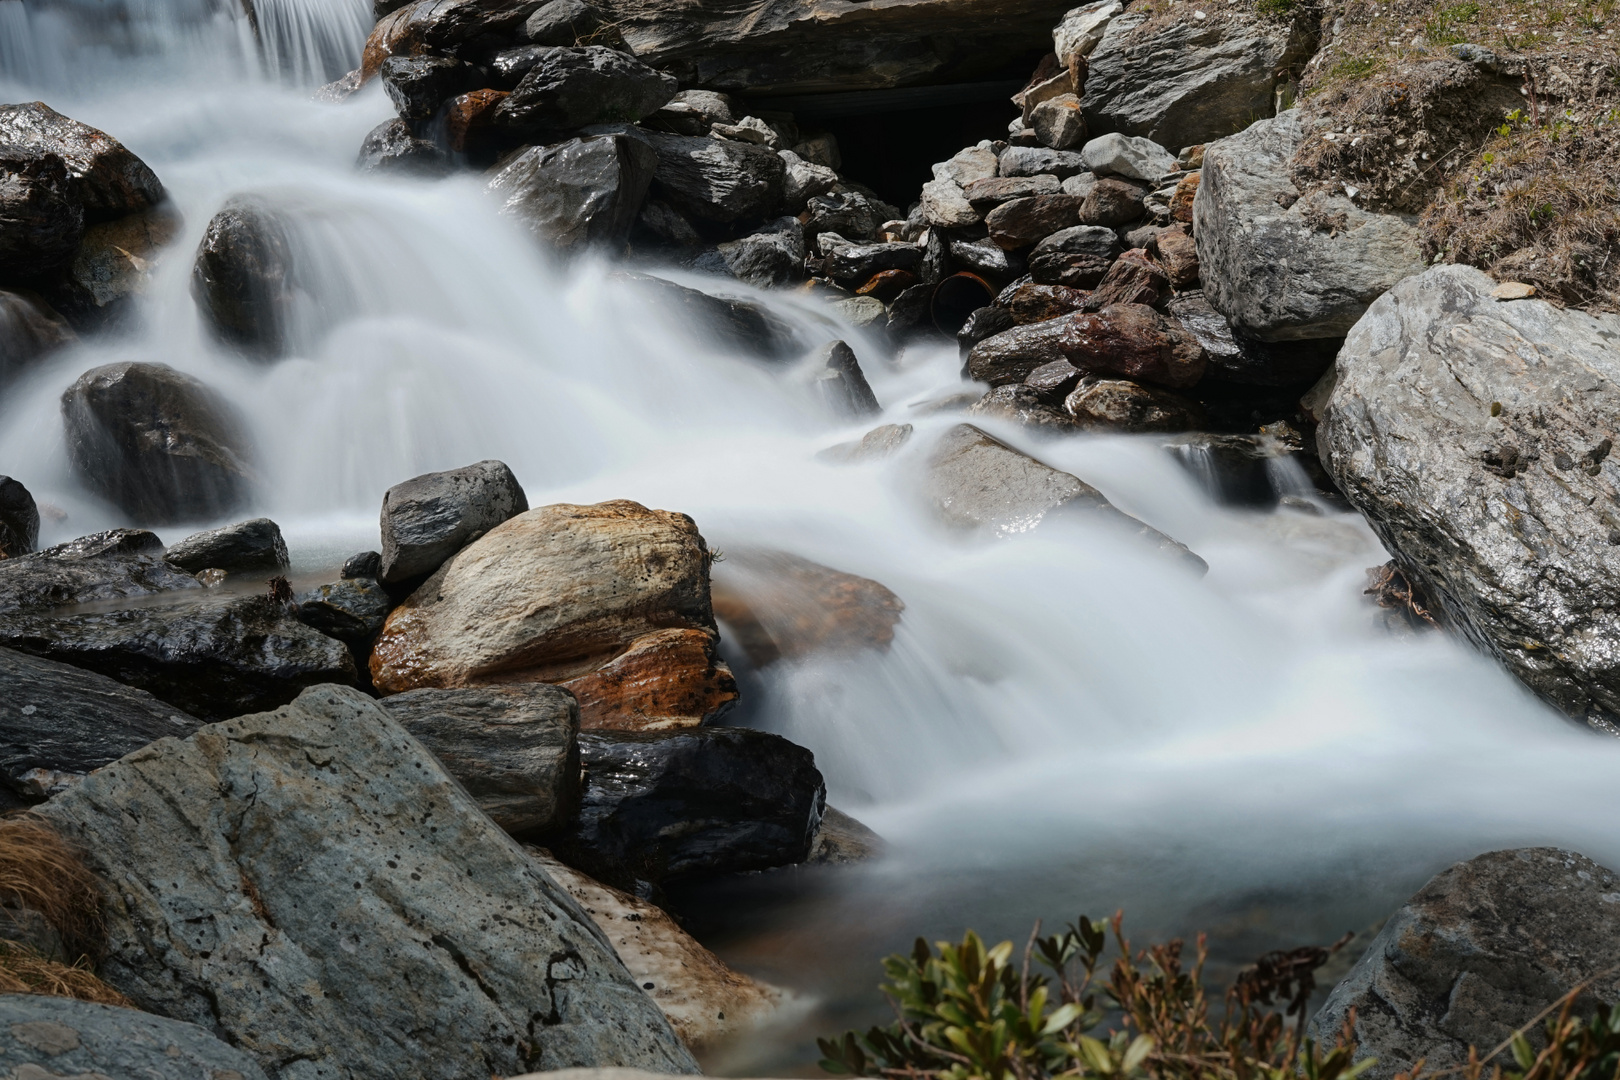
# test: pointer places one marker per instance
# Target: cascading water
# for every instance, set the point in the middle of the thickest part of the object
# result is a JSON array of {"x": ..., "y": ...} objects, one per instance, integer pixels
[{"x": 1065, "y": 720}]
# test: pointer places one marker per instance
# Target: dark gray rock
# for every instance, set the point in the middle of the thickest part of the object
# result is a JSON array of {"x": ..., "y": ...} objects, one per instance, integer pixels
[
  {"x": 853, "y": 265},
  {"x": 59, "y": 722},
  {"x": 571, "y": 88},
  {"x": 29, "y": 329},
  {"x": 562, "y": 22},
  {"x": 510, "y": 65},
  {"x": 364, "y": 564},
  {"x": 103, "y": 176},
  {"x": 471, "y": 30},
  {"x": 429, "y": 518},
  {"x": 718, "y": 180},
  {"x": 770, "y": 258},
  {"x": 41, "y": 222},
  {"x": 19, "y": 519},
  {"x": 987, "y": 193},
  {"x": 847, "y": 213},
  {"x": 419, "y": 85},
  {"x": 1475, "y": 436},
  {"x": 1244, "y": 361},
  {"x": 741, "y": 327},
  {"x": 803, "y": 180},
  {"x": 578, "y": 193},
  {"x": 986, "y": 258},
  {"x": 514, "y": 748},
  {"x": 664, "y": 805},
  {"x": 985, "y": 322},
  {"x": 52, "y": 1036},
  {"x": 840, "y": 383},
  {"x": 243, "y": 277},
  {"x": 1479, "y": 952},
  {"x": 392, "y": 149},
  {"x": 103, "y": 566},
  {"x": 1023, "y": 405},
  {"x": 695, "y": 112},
  {"x": 351, "y": 610},
  {"x": 1077, "y": 257},
  {"x": 1039, "y": 161},
  {"x": 313, "y": 885},
  {"x": 247, "y": 547},
  {"x": 1123, "y": 405},
  {"x": 159, "y": 444}
]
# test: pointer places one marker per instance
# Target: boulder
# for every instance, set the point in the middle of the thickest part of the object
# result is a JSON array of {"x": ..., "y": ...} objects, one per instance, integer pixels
[
  {"x": 117, "y": 259},
  {"x": 840, "y": 383},
  {"x": 103, "y": 566},
  {"x": 471, "y": 30},
  {"x": 945, "y": 206},
  {"x": 514, "y": 748},
  {"x": 1082, "y": 29},
  {"x": 429, "y": 518},
  {"x": 663, "y": 679},
  {"x": 159, "y": 444},
  {"x": 510, "y": 65},
  {"x": 1031, "y": 303},
  {"x": 29, "y": 329},
  {"x": 1479, "y": 952},
  {"x": 1009, "y": 356},
  {"x": 1133, "y": 279},
  {"x": 694, "y": 112},
  {"x": 847, "y": 213},
  {"x": 854, "y": 264},
  {"x": 861, "y": 311},
  {"x": 1077, "y": 257},
  {"x": 725, "y": 324},
  {"x": 1183, "y": 81},
  {"x": 986, "y": 258},
  {"x": 578, "y": 193},
  {"x": 562, "y": 22},
  {"x": 352, "y": 609},
  {"x": 1286, "y": 266},
  {"x": 1058, "y": 122},
  {"x": 1022, "y": 222},
  {"x": 803, "y": 180},
  {"x": 60, "y": 722},
  {"x": 1129, "y": 340},
  {"x": 1111, "y": 203},
  {"x": 213, "y": 656},
  {"x": 392, "y": 149},
  {"x": 1181, "y": 200},
  {"x": 1178, "y": 254},
  {"x": 717, "y": 179},
  {"x": 1243, "y": 360},
  {"x": 778, "y": 605},
  {"x": 570, "y": 88},
  {"x": 350, "y": 891},
  {"x": 1134, "y": 158},
  {"x": 1475, "y": 435},
  {"x": 1022, "y": 405},
  {"x": 770, "y": 258},
  {"x": 1053, "y": 381},
  {"x": 53, "y": 1036},
  {"x": 659, "y": 806},
  {"x": 248, "y": 547},
  {"x": 1122, "y": 405},
  {"x": 104, "y": 178},
  {"x": 1079, "y": 184},
  {"x": 362, "y": 564},
  {"x": 991, "y": 192},
  {"x": 19, "y": 519},
  {"x": 41, "y": 222},
  {"x": 418, "y": 85},
  {"x": 243, "y": 277},
  {"x": 1038, "y": 161}
]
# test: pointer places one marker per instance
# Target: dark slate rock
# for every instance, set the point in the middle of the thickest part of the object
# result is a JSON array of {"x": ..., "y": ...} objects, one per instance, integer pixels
[
  {"x": 717, "y": 179},
  {"x": 1243, "y": 360},
  {"x": 841, "y": 383},
  {"x": 104, "y": 177},
  {"x": 242, "y": 278},
  {"x": 392, "y": 149},
  {"x": 243, "y": 548},
  {"x": 732, "y": 325},
  {"x": 1039, "y": 161},
  {"x": 53, "y": 1036},
  {"x": 1078, "y": 257},
  {"x": 364, "y": 564},
  {"x": 985, "y": 258},
  {"x": 159, "y": 444},
  {"x": 853, "y": 265},
  {"x": 351, "y": 610},
  {"x": 985, "y": 322},
  {"x": 570, "y": 88},
  {"x": 562, "y": 22},
  {"x": 418, "y": 85},
  {"x": 847, "y": 213},
  {"x": 19, "y": 519},
  {"x": 770, "y": 258},
  {"x": 429, "y": 518},
  {"x": 580, "y": 192},
  {"x": 41, "y": 223},
  {"x": 514, "y": 748},
  {"x": 58, "y": 722},
  {"x": 103, "y": 566}
]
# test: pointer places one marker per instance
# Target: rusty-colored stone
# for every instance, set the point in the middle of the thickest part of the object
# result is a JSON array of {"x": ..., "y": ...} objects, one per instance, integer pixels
[
  {"x": 1037, "y": 303},
  {"x": 1181, "y": 201},
  {"x": 1179, "y": 257},
  {"x": 1112, "y": 202},
  {"x": 888, "y": 284},
  {"x": 1133, "y": 279},
  {"x": 1137, "y": 342},
  {"x": 1122, "y": 405},
  {"x": 1022, "y": 222},
  {"x": 666, "y": 679},
  {"x": 779, "y": 605},
  {"x": 469, "y": 119}
]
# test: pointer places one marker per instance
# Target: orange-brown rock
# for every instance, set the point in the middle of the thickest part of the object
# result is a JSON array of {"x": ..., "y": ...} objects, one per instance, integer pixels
[
  {"x": 1128, "y": 340},
  {"x": 888, "y": 284},
  {"x": 1022, "y": 222},
  {"x": 1037, "y": 303},
  {"x": 1133, "y": 279},
  {"x": 469, "y": 119},
  {"x": 1179, "y": 256},
  {"x": 666, "y": 679},
  {"x": 1181, "y": 200},
  {"x": 779, "y": 605}
]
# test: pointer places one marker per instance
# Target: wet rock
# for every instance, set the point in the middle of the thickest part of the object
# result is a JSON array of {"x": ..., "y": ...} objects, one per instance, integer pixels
[
  {"x": 803, "y": 180},
  {"x": 54, "y": 1036},
  {"x": 354, "y": 891},
  {"x": 157, "y": 443},
  {"x": 1128, "y": 340},
  {"x": 781, "y": 606},
  {"x": 1122, "y": 405},
  {"x": 983, "y": 323},
  {"x": 840, "y": 382},
  {"x": 1009, "y": 356},
  {"x": 514, "y": 748},
  {"x": 571, "y": 88},
  {"x": 731, "y": 325},
  {"x": 985, "y": 257},
  {"x": 664, "y": 805},
  {"x": 667, "y": 224},
  {"x": 1053, "y": 381},
  {"x": 1133, "y": 279},
  {"x": 1236, "y": 470},
  {"x": 716, "y": 179},
  {"x": 1022, "y": 222},
  {"x": 248, "y": 547},
  {"x": 842, "y": 840},
  {"x": 29, "y": 329},
  {"x": 391, "y": 149},
  {"x": 429, "y": 518},
  {"x": 562, "y": 22},
  {"x": 363, "y": 564},
  {"x": 243, "y": 277},
  {"x": 116, "y": 260},
  {"x": 1245, "y": 361},
  {"x": 1178, "y": 254},
  {"x": 1111, "y": 203},
  {"x": 1206, "y": 78},
  {"x": 213, "y": 656},
  {"x": 1476, "y": 954},
  {"x": 1284, "y": 266},
  {"x": 578, "y": 193},
  {"x": 103, "y": 176},
  {"x": 705, "y": 1001},
  {"x": 664, "y": 679},
  {"x": 418, "y": 85},
  {"x": 1058, "y": 122},
  {"x": 103, "y": 566},
  {"x": 471, "y": 122},
  {"x": 768, "y": 259},
  {"x": 471, "y": 30},
  {"x": 1038, "y": 160},
  {"x": 1033, "y": 303},
  {"x": 853, "y": 265},
  {"x": 350, "y": 610},
  {"x": 847, "y": 213},
  {"x": 1133, "y": 158},
  {"x": 1023, "y": 405},
  {"x": 510, "y": 65},
  {"x": 991, "y": 192},
  {"x": 19, "y": 519},
  {"x": 41, "y": 221},
  {"x": 1077, "y": 257},
  {"x": 880, "y": 442},
  {"x": 1475, "y": 436},
  {"x": 59, "y": 722}
]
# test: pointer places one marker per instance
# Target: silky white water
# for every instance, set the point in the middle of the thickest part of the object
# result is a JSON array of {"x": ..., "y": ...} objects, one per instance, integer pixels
[{"x": 1064, "y": 719}]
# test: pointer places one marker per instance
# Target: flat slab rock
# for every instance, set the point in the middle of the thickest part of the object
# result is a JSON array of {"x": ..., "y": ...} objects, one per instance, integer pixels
[
  {"x": 60, "y": 1037},
  {"x": 1474, "y": 434},
  {"x": 1479, "y": 951},
  {"x": 112, "y": 565},
  {"x": 313, "y": 886}
]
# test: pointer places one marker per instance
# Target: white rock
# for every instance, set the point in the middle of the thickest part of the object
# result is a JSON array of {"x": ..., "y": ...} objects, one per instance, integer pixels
[
  {"x": 966, "y": 166},
  {"x": 1130, "y": 156},
  {"x": 1082, "y": 28},
  {"x": 1058, "y": 123},
  {"x": 944, "y": 204}
]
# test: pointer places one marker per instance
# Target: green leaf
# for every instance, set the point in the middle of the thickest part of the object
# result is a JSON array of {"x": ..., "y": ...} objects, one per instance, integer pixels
[
  {"x": 1523, "y": 1053},
  {"x": 1062, "y": 1018},
  {"x": 1140, "y": 1049}
]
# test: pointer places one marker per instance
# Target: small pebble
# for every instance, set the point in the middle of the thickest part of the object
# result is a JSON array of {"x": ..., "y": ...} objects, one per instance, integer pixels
[{"x": 1513, "y": 290}]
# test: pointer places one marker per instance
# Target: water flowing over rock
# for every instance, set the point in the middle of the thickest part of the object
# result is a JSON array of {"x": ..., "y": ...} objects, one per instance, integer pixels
[
  {"x": 392, "y": 149},
  {"x": 104, "y": 178},
  {"x": 429, "y": 518},
  {"x": 52, "y": 1036},
  {"x": 1475, "y": 435},
  {"x": 59, "y": 722},
  {"x": 159, "y": 444},
  {"x": 29, "y": 329},
  {"x": 779, "y": 605},
  {"x": 571, "y": 88},
  {"x": 841, "y": 383},
  {"x": 103, "y": 566},
  {"x": 244, "y": 548},
  {"x": 1287, "y": 266},
  {"x": 351, "y": 891},
  {"x": 727, "y": 324},
  {"x": 243, "y": 277},
  {"x": 579, "y": 192},
  {"x": 19, "y": 519},
  {"x": 1478, "y": 953}
]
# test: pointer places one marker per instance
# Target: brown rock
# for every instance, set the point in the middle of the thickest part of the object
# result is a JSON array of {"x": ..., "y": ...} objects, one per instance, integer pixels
[
  {"x": 888, "y": 284},
  {"x": 1179, "y": 256},
  {"x": 1181, "y": 201},
  {"x": 1037, "y": 303},
  {"x": 1024, "y": 405},
  {"x": 469, "y": 119},
  {"x": 1010, "y": 356},
  {"x": 1133, "y": 279},
  {"x": 1112, "y": 202},
  {"x": 1137, "y": 342},
  {"x": 1123, "y": 405},
  {"x": 1022, "y": 222},
  {"x": 990, "y": 192},
  {"x": 1053, "y": 381},
  {"x": 781, "y": 606},
  {"x": 666, "y": 679},
  {"x": 472, "y": 30}
]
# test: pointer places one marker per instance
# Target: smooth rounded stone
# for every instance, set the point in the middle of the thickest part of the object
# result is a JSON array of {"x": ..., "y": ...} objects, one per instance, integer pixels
[
  {"x": 840, "y": 383},
  {"x": 1009, "y": 356},
  {"x": 985, "y": 257},
  {"x": 660, "y": 806},
  {"x": 984, "y": 323},
  {"x": 103, "y": 566},
  {"x": 352, "y": 609},
  {"x": 158, "y": 444},
  {"x": 117, "y": 259},
  {"x": 853, "y": 265},
  {"x": 213, "y": 656},
  {"x": 246, "y": 547},
  {"x": 661, "y": 680},
  {"x": 243, "y": 277},
  {"x": 1082, "y": 29},
  {"x": 104, "y": 177},
  {"x": 1129, "y": 340},
  {"x": 514, "y": 748},
  {"x": 1178, "y": 254},
  {"x": 1122, "y": 405},
  {"x": 717, "y": 180},
  {"x": 391, "y": 148},
  {"x": 418, "y": 85},
  {"x": 52, "y": 1036},
  {"x": 362, "y": 564},
  {"x": 427, "y": 519},
  {"x": 59, "y": 722},
  {"x": 19, "y": 519},
  {"x": 1022, "y": 405},
  {"x": 1032, "y": 303},
  {"x": 41, "y": 221},
  {"x": 577, "y": 193},
  {"x": 1266, "y": 265},
  {"x": 571, "y": 88},
  {"x": 1475, "y": 436},
  {"x": 1184, "y": 81},
  {"x": 881, "y": 442},
  {"x": 804, "y": 180},
  {"x": 1111, "y": 202},
  {"x": 1022, "y": 222},
  {"x": 777, "y": 605},
  {"x": 29, "y": 329},
  {"x": 1133, "y": 279},
  {"x": 1036, "y": 160},
  {"x": 767, "y": 259},
  {"x": 706, "y": 1002},
  {"x": 1058, "y": 122},
  {"x": 562, "y": 22},
  {"x": 1132, "y": 157},
  {"x": 354, "y": 890},
  {"x": 991, "y": 192},
  {"x": 847, "y": 213},
  {"x": 1479, "y": 952},
  {"x": 728, "y": 324}
]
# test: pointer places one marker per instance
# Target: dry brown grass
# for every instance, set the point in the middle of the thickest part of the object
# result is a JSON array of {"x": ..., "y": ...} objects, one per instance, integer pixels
[
  {"x": 39, "y": 870},
  {"x": 24, "y": 971}
]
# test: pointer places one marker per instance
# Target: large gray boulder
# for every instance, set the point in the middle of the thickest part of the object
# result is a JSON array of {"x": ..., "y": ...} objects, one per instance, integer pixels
[
  {"x": 1478, "y": 953},
  {"x": 313, "y": 886},
  {"x": 1287, "y": 266},
  {"x": 100, "y": 567},
  {"x": 1186, "y": 81},
  {"x": 1475, "y": 436},
  {"x": 577, "y": 193},
  {"x": 50, "y": 1036},
  {"x": 429, "y": 518}
]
